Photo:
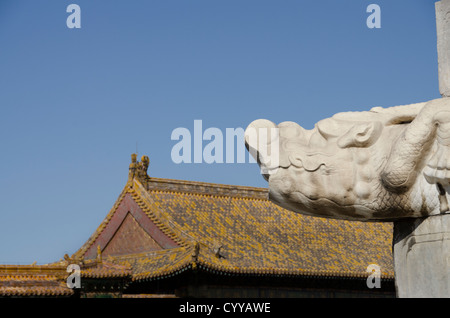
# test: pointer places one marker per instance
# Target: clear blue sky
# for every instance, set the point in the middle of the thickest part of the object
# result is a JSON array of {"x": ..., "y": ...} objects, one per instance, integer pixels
[{"x": 75, "y": 102}]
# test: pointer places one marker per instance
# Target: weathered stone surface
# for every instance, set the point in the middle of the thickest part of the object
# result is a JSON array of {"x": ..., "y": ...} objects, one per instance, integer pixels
[
  {"x": 421, "y": 250},
  {"x": 443, "y": 45},
  {"x": 384, "y": 164}
]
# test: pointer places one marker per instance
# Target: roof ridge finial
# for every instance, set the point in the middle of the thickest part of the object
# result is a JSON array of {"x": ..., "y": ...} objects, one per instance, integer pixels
[
  {"x": 133, "y": 167},
  {"x": 139, "y": 169},
  {"x": 99, "y": 254},
  {"x": 145, "y": 161}
]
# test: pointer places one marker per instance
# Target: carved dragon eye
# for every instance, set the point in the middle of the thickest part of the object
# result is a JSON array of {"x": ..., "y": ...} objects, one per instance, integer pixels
[{"x": 361, "y": 135}]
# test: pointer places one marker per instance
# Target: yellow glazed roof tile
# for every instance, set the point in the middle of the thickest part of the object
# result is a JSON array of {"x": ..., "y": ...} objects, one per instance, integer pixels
[
  {"x": 236, "y": 229},
  {"x": 244, "y": 235}
]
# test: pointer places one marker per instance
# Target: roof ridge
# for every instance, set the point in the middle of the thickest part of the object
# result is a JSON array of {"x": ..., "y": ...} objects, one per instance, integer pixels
[
  {"x": 138, "y": 171},
  {"x": 7, "y": 269},
  {"x": 169, "y": 228},
  {"x": 199, "y": 187},
  {"x": 207, "y": 194}
]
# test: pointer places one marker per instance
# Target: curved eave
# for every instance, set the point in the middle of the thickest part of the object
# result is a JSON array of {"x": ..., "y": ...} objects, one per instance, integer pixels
[
  {"x": 187, "y": 263},
  {"x": 35, "y": 291},
  {"x": 280, "y": 272}
]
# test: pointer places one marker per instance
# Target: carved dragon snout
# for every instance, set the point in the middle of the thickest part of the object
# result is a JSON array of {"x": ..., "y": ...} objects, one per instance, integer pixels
[{"x": 383, "y": 164}]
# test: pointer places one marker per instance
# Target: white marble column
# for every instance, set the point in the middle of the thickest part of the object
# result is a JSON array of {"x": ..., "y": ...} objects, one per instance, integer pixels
[
  {"x": 443, "y": 45},
  {"x": 421, "y": 250}
]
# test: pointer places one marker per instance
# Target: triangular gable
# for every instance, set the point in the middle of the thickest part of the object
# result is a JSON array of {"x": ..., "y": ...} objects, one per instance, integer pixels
[
  {"x": 130, "y": 237},
  {"x": 129, "y": 230}
]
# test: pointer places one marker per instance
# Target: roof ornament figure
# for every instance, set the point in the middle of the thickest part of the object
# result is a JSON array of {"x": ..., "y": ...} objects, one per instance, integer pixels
[
  {"x": 132, "y": 168},
  {"x": 74, "y": 259},
  {"x": 194, "y": 255},
  {"x": 145, "y": 161},
  {"x": 139, "y": 170},
  {"x": 143, "y": 167},
  {"x": 217, "y": 251},
  {"x": 99, "y": 254}
]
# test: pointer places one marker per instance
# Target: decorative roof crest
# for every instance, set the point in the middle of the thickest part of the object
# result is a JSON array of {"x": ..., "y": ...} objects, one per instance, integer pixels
[{"x": 138, "y": 169}]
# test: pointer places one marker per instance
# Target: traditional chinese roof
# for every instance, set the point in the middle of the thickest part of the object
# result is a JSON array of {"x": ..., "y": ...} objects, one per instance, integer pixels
[
  {"x": 162, "y": 227},
  {"x": 50, "y": 280},
  {"x": 33, "y": 280},
  {"x": 105, "y": 270}
]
